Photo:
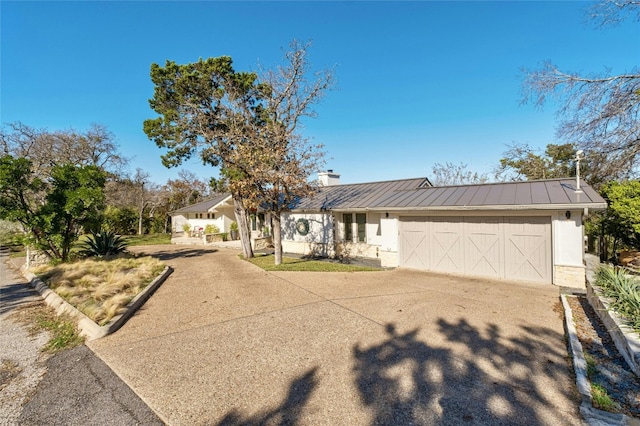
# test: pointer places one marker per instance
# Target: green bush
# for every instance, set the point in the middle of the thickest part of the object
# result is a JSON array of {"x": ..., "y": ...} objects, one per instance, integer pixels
[
  {"x": 233, "y": 226},
  {"x": 121, "y": 220},
  {"x": 102, "y": 244},
  {"x": 186, "y": 228},
  {"x": 624, "y": 292},
  {"x": 211, "y": 229}
]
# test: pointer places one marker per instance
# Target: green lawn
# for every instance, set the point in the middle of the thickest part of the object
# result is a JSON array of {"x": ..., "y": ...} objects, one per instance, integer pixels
[
  {"x": 293, "y": 264},
  {"x": 147, "y": 239}
]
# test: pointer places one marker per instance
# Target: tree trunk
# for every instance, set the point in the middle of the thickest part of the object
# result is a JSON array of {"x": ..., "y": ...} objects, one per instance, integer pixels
[
  {"x": 243, "y": 227},
  {"x": 140, "y": 219},
  {"x": 276, "y": 233}
]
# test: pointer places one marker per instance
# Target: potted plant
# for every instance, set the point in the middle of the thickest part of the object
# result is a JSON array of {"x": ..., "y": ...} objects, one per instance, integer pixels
[{"x": 233, "y": 230}]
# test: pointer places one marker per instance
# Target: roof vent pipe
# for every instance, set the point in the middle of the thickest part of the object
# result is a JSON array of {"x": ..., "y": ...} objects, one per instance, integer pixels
[{"x": 579, "y": 156}]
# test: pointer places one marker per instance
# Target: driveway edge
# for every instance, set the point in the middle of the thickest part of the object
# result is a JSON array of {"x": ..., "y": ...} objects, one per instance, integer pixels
[
  {"x": 592, "y": 415},
  {"x": 87, "y": 327}
]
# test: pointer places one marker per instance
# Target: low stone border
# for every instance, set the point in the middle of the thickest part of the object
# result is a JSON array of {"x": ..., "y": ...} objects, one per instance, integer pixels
[
  {"x": 87, "y": 327},
  {"x": 592, "y": 415},
  {"x": 624, "y": 337}
]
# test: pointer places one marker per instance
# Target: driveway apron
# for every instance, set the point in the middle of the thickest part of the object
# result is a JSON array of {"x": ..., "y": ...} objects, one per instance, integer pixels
[{"x": 224, "y": 342}]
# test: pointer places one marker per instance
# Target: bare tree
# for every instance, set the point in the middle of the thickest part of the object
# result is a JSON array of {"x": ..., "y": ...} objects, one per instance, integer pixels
[
  {"x": 612, "y": 12},
  {"x": 187, "y": 189},
  {"x": 94, "y": 147},
  {"x": 291, "y": 160},
  {"x": 599, "y": 112},
  {"x": 146, "y": 196},
  {"x": 455, "y": 174}
]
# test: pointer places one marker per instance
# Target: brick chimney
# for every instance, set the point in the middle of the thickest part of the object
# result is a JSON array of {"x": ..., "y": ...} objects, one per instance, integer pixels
[{"x": 328, "y": 178}]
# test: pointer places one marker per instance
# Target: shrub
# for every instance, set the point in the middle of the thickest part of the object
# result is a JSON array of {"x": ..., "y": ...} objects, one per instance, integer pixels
[
  {"x": 233, "y": 226},
  {"x": 121, "y": 220},
  {"x": 211, "y": 229},
  {"x": 101, "y": 244},
  {"x": 624, "y": 292},
  {"x": 186, "y": 228}
]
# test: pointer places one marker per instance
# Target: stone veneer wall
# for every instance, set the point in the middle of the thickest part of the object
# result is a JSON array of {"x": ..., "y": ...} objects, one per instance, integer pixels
[{"x": 569, "y": 276}]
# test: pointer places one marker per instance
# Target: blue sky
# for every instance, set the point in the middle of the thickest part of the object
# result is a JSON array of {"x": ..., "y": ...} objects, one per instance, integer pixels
[{"x": 418, "y": 82}]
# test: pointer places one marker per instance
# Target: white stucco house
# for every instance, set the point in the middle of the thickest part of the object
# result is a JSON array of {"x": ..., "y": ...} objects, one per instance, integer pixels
[
  {"x": 530, "y": 231},
  {"x": 217, "y": 210}
]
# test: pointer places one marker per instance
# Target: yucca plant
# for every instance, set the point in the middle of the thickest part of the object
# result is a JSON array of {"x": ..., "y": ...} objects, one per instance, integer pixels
[
  {"x": 624, "y": 292},
  {"x": 103, "y": 243}
]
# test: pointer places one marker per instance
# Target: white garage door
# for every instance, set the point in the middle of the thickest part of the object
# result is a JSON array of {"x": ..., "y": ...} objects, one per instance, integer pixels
[{"x": 501, "y": 247}]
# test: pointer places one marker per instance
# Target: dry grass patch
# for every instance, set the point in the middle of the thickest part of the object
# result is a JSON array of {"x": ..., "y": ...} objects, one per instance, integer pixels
[{"x": 101, "y": 289}]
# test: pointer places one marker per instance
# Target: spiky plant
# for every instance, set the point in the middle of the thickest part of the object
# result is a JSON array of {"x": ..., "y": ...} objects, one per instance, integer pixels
[
  {"x": 103, "y": 243},
  {"x": 624, "y": 291}
]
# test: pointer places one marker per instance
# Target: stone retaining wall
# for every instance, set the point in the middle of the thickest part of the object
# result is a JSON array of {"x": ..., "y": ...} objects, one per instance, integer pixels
[{"x": 626, "y": 339}]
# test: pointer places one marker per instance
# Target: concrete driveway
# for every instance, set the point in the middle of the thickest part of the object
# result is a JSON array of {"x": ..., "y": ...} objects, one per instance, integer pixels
[{"x": 223, "y": 342}]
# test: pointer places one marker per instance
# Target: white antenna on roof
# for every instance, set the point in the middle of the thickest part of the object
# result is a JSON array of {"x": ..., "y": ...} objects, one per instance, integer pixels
[{"x": 579, "y": 156}]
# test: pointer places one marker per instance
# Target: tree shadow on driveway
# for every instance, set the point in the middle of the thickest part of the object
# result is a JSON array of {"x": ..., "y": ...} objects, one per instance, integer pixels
[
  {"x": 178, "y": 253},
  {"x": 287, "y": 413},
  {"x": 496, "y": 380}
]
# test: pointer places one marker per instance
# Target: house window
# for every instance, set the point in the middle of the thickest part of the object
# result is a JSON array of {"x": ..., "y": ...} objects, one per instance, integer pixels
[
  {"x": 361, "y": 221},
  {"x": 254, "y": 225},
  {"x": 357, "y": 228},
  {"x": 208, "y": 216},
  {"x": 347, "y": 218}
]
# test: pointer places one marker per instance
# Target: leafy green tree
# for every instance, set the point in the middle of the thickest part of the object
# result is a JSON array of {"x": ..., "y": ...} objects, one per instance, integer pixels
[
  {"x": 209, "y": 109},
  {"x": 521, "y": 161},
  {"x": 74, "y": 202},
  {"x": 54, "y": 212},
  {"x": 120, "y": 220},
  {"x": 245, "y": 125},
  {"x": 622, "y": 218},
  {"x": 21, "y": 194}
]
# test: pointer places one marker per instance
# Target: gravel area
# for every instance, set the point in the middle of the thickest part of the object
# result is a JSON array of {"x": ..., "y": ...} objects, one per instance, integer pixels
[
  {"x": 611, "y": 370},
  {"x": 22, "y": 364}
]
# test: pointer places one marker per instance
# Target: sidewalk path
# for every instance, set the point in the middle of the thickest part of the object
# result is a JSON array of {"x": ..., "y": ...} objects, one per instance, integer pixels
[{"x": 225, "y": 343}]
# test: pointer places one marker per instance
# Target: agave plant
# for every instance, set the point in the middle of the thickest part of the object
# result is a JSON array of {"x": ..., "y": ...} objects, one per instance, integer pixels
[
  {"x": 103, "y": 243},
  {"x": 624, "y": 291}
]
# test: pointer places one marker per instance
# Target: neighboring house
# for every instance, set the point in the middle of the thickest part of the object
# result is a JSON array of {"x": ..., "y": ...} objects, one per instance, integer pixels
[
  {"x": 217, "y": 211},
  {"x": 530, "y": 231}
]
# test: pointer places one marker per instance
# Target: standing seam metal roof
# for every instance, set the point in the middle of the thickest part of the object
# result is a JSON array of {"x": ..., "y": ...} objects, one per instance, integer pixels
[{"x": 407, "y": 194}]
